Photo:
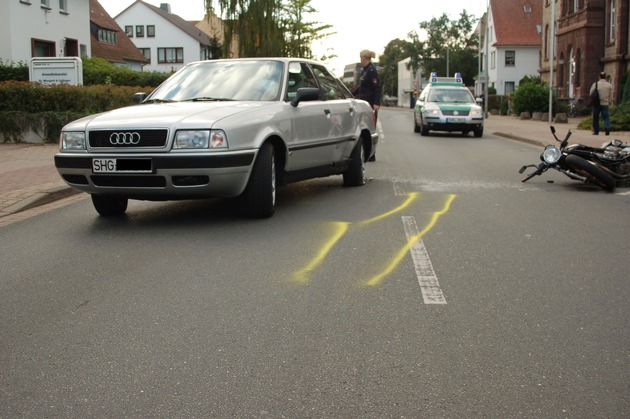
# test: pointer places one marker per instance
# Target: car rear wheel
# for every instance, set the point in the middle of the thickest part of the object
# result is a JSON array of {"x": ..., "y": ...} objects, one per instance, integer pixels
[
  {"x": 109, "y": 206},
  {"x": 260, "y": 193},
  {"x": 355, "y": 174}
]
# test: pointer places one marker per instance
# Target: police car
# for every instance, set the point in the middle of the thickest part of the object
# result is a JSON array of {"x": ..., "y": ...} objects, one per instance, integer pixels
[{"x": 446, "y": 104}]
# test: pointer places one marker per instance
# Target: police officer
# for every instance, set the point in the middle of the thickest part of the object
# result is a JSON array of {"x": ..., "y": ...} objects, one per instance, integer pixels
[{"x": 369, "y": 88}]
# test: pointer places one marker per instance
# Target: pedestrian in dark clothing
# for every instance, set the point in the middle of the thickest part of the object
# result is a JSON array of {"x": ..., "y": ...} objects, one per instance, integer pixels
[
  {"x": 605, "y": 98},
  {"x": 369, "y": 88}
]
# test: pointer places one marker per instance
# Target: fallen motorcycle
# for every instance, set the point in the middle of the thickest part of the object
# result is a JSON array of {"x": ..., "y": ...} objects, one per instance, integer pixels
[{"x": 607, "y": 166}]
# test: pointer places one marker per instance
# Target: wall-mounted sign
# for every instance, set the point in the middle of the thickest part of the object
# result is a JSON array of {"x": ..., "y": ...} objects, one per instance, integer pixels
[{"x": 56, "y": 70}]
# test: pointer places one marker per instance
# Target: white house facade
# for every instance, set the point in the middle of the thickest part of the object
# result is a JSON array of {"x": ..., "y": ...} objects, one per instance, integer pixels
[
  {"x": 512, "y": 50},
  {"x": 44, "y": 28},
  {"x": 167, "y": 41}
]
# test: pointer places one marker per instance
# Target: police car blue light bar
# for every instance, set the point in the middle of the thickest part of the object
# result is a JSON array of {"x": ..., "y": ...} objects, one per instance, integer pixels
[{"x": 457, "y": 79}]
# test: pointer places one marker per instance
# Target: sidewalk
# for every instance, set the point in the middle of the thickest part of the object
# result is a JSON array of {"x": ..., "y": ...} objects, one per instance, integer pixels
[{"x": 28, "y": 177}]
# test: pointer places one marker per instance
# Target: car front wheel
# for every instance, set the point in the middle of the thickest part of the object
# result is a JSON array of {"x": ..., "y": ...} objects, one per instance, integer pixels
[
  {"x": 355, "y": 174},
  {"x": 109, "y": 206},
  {"x": 260, "y": 193}
]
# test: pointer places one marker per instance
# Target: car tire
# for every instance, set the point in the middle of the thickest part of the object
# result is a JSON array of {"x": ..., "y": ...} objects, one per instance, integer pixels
[
  {"x": 424, "y": 130},
  {"x": 479, "y": 132},
  {"x": 355, "y": 174},
  {"x": 260, "y": 192},
  {"x": 109, "y": 206},
  {"x": 594, "y": 174},
  {"x": 416, "y": 127}
]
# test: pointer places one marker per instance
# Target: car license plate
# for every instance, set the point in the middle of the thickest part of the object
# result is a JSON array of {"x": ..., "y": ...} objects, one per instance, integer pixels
[
  {"x": 103, "y": 165},
  {"x": 455, "y": 119},
  {"x": 141, "y": 165}
]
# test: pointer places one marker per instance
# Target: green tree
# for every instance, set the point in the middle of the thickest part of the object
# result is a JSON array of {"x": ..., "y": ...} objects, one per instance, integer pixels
[
  {"x": 299, "y": 33},
  {"x": 257, "y": 23},
  {"x": 449, "y": 44},
  {"x": 395, "y": 51}
]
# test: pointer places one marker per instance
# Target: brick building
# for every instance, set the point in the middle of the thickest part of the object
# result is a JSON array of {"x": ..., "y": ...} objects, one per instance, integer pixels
[{"x": 591, "y": 36}]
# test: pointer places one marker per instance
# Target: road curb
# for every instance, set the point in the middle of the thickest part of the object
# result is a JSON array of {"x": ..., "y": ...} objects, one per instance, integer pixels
[{"x": 39, "y": 199}]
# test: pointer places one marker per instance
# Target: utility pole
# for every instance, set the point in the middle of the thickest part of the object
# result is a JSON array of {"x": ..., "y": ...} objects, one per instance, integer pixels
[{"x": 553, "y": 58}]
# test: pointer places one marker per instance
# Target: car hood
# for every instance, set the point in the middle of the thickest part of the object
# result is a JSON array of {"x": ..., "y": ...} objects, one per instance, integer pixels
[{"x": 165, "y": 115}]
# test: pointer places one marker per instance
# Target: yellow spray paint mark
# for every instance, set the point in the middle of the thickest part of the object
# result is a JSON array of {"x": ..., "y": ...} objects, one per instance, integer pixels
[
  {"x": 410, "y": 198},
  {"x": 340, "y": 228},
  {"x": 400, "y": 255}
]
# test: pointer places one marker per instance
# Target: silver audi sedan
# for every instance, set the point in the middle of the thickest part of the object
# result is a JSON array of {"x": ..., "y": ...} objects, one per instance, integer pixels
[{"x": 221, "y": 128}]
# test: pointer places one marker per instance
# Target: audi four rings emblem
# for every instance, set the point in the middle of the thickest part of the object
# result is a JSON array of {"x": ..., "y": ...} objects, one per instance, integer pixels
[{"x": 124, "y": 138}]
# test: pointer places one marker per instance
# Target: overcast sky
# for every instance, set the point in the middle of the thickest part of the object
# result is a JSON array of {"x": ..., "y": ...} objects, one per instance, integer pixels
[{"x": 359, "y": 24}]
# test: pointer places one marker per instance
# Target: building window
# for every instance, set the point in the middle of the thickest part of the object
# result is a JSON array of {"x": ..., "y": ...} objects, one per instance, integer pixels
[
  {"x": 63, "y": 6},
  {"x": 139, "y": 31},
  {"x": 493, "y": 59},
  {"x": 107, "y": 36},
  {"x": 510, "y": 58},
  {"x": 509, "y": 87},
  {"x": 612, "y": 23},
  {"x": 45, "y": 4},
  {"x": 129, "y": 31},
  {"x": 147, "y": 53},
  {"x": 151, "y": 31},
  {"x": 170, "y": 55},
  {"x": 41, "y": 48}
]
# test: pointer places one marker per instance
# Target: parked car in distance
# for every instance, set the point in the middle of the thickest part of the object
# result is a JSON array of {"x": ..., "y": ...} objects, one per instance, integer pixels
[
  {"x": 446, "y": 104},
  {"x": 221, "y": 128}
]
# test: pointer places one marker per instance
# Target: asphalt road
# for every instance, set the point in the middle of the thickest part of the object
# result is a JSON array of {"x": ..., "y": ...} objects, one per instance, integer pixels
[{"x": 442, "y": 288}]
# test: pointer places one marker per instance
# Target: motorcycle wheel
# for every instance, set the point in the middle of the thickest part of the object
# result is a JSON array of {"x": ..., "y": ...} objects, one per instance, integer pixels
[{"x": 591, "y": 172}]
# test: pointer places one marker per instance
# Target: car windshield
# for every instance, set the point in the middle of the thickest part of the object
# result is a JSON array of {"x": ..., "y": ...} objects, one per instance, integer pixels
[
  {"x": 223, "y": 80},
  {"x": 451, "y": 96}
]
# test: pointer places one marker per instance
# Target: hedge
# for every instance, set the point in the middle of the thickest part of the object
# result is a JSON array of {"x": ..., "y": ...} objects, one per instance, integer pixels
[{"x": 45, "y": 110}]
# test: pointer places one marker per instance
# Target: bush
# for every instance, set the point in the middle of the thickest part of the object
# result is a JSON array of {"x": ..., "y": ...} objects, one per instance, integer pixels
[
  {"x": 13, "y": 71},
  {"x": 100, "y": 71},
  {"x": 531, "y": 97},
  {"x": 46, "y": 109}
]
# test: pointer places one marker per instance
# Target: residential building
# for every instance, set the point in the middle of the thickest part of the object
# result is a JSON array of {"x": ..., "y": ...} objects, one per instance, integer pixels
[
  {"x": 44, "y": 28},
  {"x": 591, "y": 36},
  {"x": 109, "y": 41},
  {"x": 214, "y": 27},
  {"x": 513, "y": 44},
  {"x": 167, "y": 41},
  {"x": 351, "y": 74}
]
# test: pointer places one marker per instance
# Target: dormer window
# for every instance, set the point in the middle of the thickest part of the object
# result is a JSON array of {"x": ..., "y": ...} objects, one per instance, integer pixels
[{"x": 107, "y": 36}]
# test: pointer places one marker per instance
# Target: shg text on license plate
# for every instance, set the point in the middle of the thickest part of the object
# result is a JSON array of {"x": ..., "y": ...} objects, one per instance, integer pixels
[{"x": 103, "y": 165}]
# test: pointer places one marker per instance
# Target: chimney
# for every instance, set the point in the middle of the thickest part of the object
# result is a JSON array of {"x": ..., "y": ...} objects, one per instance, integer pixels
[{"x": 166, "y": 7}]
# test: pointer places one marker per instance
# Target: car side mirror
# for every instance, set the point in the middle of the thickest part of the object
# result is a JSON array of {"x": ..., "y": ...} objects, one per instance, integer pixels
[
  {"x": 139, "y": 97},
  {"x": 305, "y": 94}
]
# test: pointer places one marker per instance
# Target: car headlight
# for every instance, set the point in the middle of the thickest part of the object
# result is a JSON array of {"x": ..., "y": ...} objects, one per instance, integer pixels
[
  {"x": 72, "y": 140},
  {"x": 434, "y": 111},
  {"x": 551, "y": 155},
  {"x": 200, "y": 139},
  {"x": 475, "y": 112}
]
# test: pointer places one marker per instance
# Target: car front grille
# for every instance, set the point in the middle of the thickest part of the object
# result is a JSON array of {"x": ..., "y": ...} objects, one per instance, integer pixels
[
  {"x": 141, "y": 138},
  {"x": 452, "y": 113}
]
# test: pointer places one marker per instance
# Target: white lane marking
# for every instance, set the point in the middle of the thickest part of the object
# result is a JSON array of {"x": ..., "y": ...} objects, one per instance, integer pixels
[
  {"x": 398, "y": 189},
  {"x": 429, "y": 285}
]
